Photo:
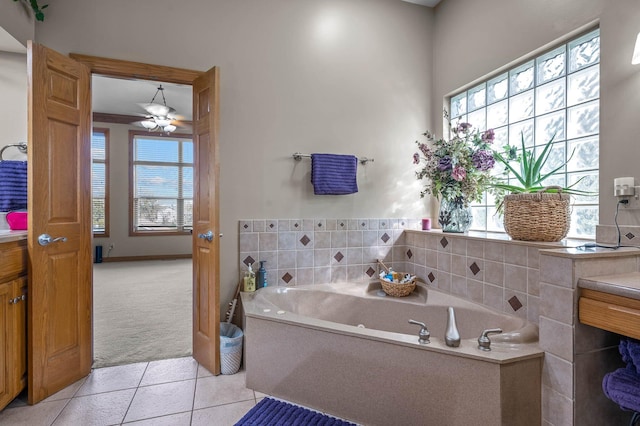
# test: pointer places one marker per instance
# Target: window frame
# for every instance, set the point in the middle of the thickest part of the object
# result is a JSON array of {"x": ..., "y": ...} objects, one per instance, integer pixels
[
  {"x": 563, "y": 44},
  {"x": 133, "y": 232},
  {"x": 105, "y": 131}
]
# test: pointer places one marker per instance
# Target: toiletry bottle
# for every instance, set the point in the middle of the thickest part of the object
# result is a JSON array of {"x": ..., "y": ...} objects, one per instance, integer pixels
[
  {"x": 262, "y": 275},
  {"x": 250, "y": 280}
]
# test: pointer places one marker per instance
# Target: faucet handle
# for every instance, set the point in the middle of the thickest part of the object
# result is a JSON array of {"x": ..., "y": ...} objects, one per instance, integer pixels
[
  {"x": 423, "y": 335},
  {"x": 484, "y": 344}
]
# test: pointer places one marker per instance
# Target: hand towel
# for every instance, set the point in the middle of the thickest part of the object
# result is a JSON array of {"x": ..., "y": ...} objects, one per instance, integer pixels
[
  {"x": 630, "y": 351},
  {"x": 333, "y": 174},
  {"x": 13, "y": 185}
]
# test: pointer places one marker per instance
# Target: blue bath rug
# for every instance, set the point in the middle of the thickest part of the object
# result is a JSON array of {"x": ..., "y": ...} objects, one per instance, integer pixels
[{"x": 271, "y": 412}]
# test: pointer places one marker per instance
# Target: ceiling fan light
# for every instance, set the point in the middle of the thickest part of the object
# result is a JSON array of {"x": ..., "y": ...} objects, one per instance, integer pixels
[
  {"x": 162, "y": 121},
  {"x": 149, "y": 124},
  {"x": 169, "y": 128}
]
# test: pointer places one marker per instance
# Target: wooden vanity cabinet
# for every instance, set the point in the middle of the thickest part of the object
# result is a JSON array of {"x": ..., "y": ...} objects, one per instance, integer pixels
[{"x": 13, "y": 320}]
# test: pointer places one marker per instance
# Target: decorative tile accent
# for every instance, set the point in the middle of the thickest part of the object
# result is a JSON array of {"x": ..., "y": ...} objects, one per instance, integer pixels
[
  {"x": 249, "y": 260},
  {"x": 431, "y": 277},
  {"x": 287, "y": 277},
  {"x": 272, "y": 226},
  {"x": 305, "y": 240},
  {"x": 444, "y": 243},
  {"x": 370, "y": 271},
  {"x": 474, "y": 268},
  {"x": 409, "y": 254},
  {"x": 296, "y": 226},
  {"x": 245, "y": 226},
  {"x": 342, "y": 224},
  {"x": 515, "y": 303},
  {"x": 319, "y": 225},
  {"x": 629, "y": 235},
  {"x": 385, "y": 237},
  {"x": 363, "y": 224},
  {"x": 339, "y": 256}
]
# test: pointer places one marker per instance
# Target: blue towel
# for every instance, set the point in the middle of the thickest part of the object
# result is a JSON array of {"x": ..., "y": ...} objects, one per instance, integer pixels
[
  {"x": 630, "y": 351},
  {"x": 333, "y": 174},
  {"x": 13, "y": 185},
  {"x": 623, "y": 387}
]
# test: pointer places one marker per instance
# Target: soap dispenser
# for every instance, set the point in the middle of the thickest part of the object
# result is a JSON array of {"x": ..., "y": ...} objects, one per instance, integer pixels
[
  {"x": 250, "y": 280},
  {"x": 452, "y": 336},
  {"x": 262, "y": 275}
]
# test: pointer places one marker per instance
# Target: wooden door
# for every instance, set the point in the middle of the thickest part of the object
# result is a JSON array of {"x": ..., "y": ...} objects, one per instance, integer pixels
[
  {"x": 59, "y": 341},
  {"x": 206, "y": 259}
]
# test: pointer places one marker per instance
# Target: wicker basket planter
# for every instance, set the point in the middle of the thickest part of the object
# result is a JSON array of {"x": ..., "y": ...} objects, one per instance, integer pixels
[{"x": 539, "y": 216}]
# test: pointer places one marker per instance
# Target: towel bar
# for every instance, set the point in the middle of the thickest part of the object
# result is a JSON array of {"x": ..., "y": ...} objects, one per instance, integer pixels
[
  {"x": 299, "y": 156},
  {"x": 22, "y": 147}
]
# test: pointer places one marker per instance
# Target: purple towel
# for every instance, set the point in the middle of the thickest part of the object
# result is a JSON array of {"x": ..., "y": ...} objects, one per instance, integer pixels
[
  {"x": 333, "y": 174},
  {"x": 630, "y": 351},
  {"x": 13, "y": 185},
  {"x": 623, "y": 387}
]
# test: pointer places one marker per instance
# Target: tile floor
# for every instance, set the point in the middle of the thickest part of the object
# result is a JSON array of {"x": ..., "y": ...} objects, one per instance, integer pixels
[{"x": 173, "y": 392}]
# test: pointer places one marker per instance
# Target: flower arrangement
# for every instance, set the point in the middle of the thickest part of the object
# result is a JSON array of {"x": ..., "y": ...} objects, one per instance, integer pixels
[{"x": 458, "y": 169}]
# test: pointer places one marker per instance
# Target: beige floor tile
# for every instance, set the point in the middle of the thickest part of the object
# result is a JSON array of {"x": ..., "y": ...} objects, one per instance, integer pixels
[
  {"x": 102, "y": 409},
  {"x": 222, "y": 415},
  {"x": 180, "y": 419},
  {"x": 218, "y": 390},
  {"x": 170, "y": 370},
  {"x": 42, "y": 414},
  {"x": 161, "y": 400},
  {"x": 203, "y": 372},
  {"x": 113, "y": 378},
  {"x": 68, "y": 392}
]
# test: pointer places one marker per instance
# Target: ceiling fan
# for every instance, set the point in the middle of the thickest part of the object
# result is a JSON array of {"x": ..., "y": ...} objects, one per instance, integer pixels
[{"x": 159, "y": 117}]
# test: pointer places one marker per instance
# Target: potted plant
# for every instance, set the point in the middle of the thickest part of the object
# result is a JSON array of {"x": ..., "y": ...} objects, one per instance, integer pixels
[
  {"x": 531, "y": 210},
  {"x": 457, "y": 172}
]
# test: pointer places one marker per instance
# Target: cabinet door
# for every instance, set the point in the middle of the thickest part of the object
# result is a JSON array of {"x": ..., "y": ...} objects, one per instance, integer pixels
[
  {"x": 6, "y": 386},
  {"x": 18, "y": 337}
]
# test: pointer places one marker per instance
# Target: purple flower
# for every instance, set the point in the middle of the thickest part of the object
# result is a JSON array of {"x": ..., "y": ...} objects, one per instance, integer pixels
[
  {"x": 483, "y": 160},
  {"x": 444, "y": 164},
  {"x": 416, "y": 158},
  {"x": 488, "y": 136},
  {"x": 459, "y": 173},
  {"x": 425, "y": 150},
  {"x": 463, "y": 128}
]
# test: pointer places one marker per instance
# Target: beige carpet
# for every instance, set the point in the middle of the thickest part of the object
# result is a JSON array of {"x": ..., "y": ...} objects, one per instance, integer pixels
[{"x": 141, "y": 311}]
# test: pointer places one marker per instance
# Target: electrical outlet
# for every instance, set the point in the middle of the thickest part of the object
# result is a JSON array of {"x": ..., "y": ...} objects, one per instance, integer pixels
[{"x": 111, "y": 246}]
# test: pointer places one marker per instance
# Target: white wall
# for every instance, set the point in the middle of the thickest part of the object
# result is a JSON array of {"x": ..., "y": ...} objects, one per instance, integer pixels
[
  {"x": 342, "y": 76},
  {"x": 13, "y": 107},
  {"x": 501, "y": 31}
]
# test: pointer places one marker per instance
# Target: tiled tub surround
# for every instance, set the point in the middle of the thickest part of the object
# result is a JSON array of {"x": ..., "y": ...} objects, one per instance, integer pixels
[
  {"x": 530, "y": 280},
  {"x": 381, "y": 374}
]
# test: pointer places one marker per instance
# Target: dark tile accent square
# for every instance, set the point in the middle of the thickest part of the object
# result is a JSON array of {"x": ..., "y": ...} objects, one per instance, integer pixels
[
  {"x": 296, "y": 225},
  {"x": 474, "y": 268},
  {"x": 246, "y": 226},
  {"x": 385, "y": 237},
  {"x": 341, "y": 224},
  {"x": 272, "y": 225},
  {"x": 371, "y": 271},
  {"x": 319, "y": 224},
  {"x": 409, "y": 254},
  {"x": 249, "y": 260},
  {"x": 287, "y": 277},
  {"x": 630, "y": 236},
  {"x": 339, "y": 256},
  {"x": 363, "y": 224},
  {"x": 431, "y": 277},
  {"x": 444, "y": 243},
  {"x": 305, "y": 240},
  {"x": 515, "y": 303}
]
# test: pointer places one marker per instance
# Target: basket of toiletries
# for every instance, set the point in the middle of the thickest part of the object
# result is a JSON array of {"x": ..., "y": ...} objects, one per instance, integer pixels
[
  {"x": 17, "y": 220},
  {"x": 396, "y": 284}
]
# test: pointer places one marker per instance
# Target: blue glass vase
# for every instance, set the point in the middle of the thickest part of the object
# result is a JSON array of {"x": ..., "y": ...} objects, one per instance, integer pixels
[{"x": 454, "y": 216}]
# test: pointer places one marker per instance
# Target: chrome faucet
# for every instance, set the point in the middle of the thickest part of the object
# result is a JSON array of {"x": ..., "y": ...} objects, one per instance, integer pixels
[
  {"x": 484, "y": 344},
  {"x": 423, "y": 335},
  {"x": 452, "y": 336}
]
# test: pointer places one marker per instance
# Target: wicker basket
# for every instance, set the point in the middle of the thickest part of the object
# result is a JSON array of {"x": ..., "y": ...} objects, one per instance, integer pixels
[
  {"x": 397, "y": 289},
  {"x": 540, "y": 216}
]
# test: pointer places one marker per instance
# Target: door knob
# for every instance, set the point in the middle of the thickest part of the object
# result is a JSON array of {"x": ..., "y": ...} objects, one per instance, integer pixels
[
  {"x": 45, "y": 239},
  {"x": 208, "y": 236}
]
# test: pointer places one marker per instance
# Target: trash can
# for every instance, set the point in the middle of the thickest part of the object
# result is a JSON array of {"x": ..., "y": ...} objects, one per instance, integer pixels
[{"x": 230, "y": 348}]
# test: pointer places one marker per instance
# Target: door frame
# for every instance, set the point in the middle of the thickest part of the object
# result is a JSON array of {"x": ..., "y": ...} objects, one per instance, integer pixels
[{"x": 137, "y": 70}]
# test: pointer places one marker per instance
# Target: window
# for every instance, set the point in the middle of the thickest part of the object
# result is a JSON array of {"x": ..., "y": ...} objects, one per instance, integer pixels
[
  {"x": 556, "y": 93},
  {"x": 100, "y": 182},
  {"x": 161, "y": 183}
]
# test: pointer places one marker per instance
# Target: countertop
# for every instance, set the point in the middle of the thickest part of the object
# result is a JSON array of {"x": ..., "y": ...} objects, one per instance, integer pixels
[
  {"x": 7, "y": 236},
  {"x": 625, "y": 285}
]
